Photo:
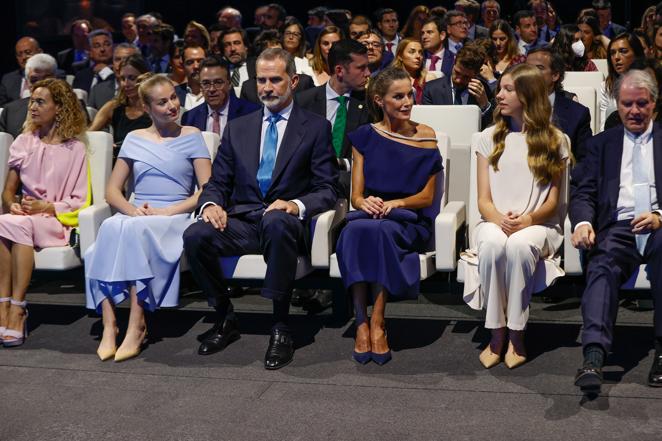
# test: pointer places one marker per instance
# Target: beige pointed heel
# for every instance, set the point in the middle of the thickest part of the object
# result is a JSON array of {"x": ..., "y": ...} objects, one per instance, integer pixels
[
  {"x": 513, "y": 359},
  {"x": 488, "y": 358}
]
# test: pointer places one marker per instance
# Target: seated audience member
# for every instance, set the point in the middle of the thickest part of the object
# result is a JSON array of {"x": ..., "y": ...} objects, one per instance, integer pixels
[
  {"x": 646, "y": 43},
  {"x": 359, "y": 25},
  {"x": 438, "y": 12},
  {"x": 137, "y": 251},
  {"x": 227, "y": 18},
  {"x": 319, "y": 61},
  {"x": 595, "y": 43},
  {"x": 144, "y": 24},
  {"x": 410, "y": 58},
  {"x": 622, "y": 51},
  {"x": 196, "y": 34},
  {"x": 98, "y": 67},
  {"x": 394, "y": 172},
  {"x": 315, "y": 24},
  {"x": 265, "y": 209},
  {"x": 506, "y": 52},
  {"x": 471, "y": 9},
  {"x": 266, "y": 39},
  {"x": 540, "y": 8},
  {"x": 189, "y": 93},
  {"x": 294, "y": 43},
  {"x": 37, "y": 68},
  {"x": 129, "y": 28},
  {"x": 215, "y": 31},
  {"x": 105, "y": 91},
  {"x": 490, "y": 11},
  {"x": 438, "y": 58},
  {"x": 654, "y": 68},
  {"x": 337, "y": 100},
  {"x": 457, "y": 30},
  {"x": 378, "y": 58},
  {"x": 274, "y": 17},
  {"x": 568, "y": 43},
  {"x": 234, "y": 43},
  {"x": 177, "y": 74},
  {"x": 51, "y": 195},
  {"x": 520, "y": 164},
  {"x": 614, "y": 210},
  {"x": 657, "y": 43},
  {"x": 648, "y": 22},
  {"x": 571, "y": 117},
  {"x": 77, "y": 54},
  {"x": 465, "y": 85},
  {"x": 14, "y": 85},
  {"x": 552, "y": 21},
  {"x": 161, "y": 48},
  {"x": 388, "y": 23},
  {"x": 125, "y": 112},
  {"x": 221, "y": 105},
  {"x": 412, "y": 28},
  {"x": 603, "y": 9},
  {"x": 526, "y": 29}
]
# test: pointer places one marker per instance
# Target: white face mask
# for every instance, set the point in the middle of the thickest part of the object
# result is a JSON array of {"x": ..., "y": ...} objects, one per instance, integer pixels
[{"x": 578, "y": 48}]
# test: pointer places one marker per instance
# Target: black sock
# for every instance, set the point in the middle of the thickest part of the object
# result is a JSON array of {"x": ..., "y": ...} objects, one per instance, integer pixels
[
  {"x": 281, "y": 314},
  {"x": 594, "y": 356},
  {"x": 658, "y": 344},
  {"x": 224, "y": 309}
]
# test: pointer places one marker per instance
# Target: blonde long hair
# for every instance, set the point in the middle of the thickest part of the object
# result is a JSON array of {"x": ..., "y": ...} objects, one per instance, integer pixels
[
  {"x": 70, "y": 121},
  {"x": 542, "y": 137}
]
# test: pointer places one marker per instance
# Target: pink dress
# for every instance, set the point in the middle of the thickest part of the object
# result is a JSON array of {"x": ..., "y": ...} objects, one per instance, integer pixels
[{"x": 53, "y": 172}]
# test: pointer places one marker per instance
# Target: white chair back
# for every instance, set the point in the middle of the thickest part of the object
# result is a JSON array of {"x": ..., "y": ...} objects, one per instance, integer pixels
[
  {"x": 589, "y": 98},
  {"x": 583, "y": 79},
  {"x": 601, "y": 64},
  {"x": 101, "y": 161},
  {"x": 91, "y": 113},
  {"x": 5, "y": 142},
  {"x": 458, "y": 122},
  {"x": 70, "y": 79},
  {"x": 81, "y": 95},
  {"x": 212, "y": 140}
]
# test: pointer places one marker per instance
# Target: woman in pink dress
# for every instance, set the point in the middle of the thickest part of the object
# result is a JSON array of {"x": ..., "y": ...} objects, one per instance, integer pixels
[{"x": 49, "y": 161}]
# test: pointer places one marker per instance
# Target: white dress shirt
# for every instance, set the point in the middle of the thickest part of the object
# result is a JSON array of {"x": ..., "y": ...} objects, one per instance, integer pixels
[
  {"x": 103, "y": 74},
  {"x": 332, "y": 103},
  {"x": 452, "y": 45},
  {"x": 395, "y": 41},
  {"x": 193, "y": 100},
  {"x": 222, "y": 119}
]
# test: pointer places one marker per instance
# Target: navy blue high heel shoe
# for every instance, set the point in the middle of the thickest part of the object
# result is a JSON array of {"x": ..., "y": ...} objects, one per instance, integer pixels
[
  {"x": 381, "y": 359},
  {"x": 361, "y": 357}
]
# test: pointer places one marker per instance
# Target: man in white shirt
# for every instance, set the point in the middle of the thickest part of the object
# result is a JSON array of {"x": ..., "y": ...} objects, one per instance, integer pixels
[
  {"x": 98, "y": 67},
  {"x": 387, "y": 23},
  {"x": 457, "y": 29},
  {"x": 190, "y": 93},
  {"x": 526, "y": 29},
  {"x": 437, "y": 57},
  {"x": 615, "y": 213},
  {"x": 234, "y": 45}
]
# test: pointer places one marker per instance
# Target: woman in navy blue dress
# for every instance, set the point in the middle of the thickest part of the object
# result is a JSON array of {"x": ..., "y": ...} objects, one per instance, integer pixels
[{"x": 394, "y": 172}]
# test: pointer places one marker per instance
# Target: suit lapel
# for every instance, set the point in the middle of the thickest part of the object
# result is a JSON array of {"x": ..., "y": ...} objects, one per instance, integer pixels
[
  {"x": 320, "y": 101},
  {"x": 291, "y": 142},
  {"x": 250, "y": 146},
  {"x": 657, "y": 161},
  {"x": 232, "y": 107},
  {"x": 202, "y": 116},
  {"x": 613, "y": 155}
]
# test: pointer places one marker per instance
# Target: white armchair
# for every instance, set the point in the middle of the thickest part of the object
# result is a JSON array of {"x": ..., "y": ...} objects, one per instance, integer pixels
[{"x": 5, "y": 142}]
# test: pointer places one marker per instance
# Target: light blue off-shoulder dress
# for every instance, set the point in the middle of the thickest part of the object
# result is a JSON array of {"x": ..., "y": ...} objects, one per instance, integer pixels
[{"x": 146, "y": 250}]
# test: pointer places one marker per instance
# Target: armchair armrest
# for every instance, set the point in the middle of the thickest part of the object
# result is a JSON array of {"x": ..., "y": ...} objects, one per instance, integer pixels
[
  {"x": 446, "y": 225},
  {"x": 322, "y": 236},
  {"x": 89, "y": 221},
  {"x": 571, "y": 264},
  {"x": 344, "y": 164}
]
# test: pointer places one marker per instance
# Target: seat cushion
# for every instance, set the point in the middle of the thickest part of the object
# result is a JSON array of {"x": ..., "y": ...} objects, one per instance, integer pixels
[
  {"x": 56, "y": 258},
  {"x": 426, "y": 260},
  {"x": 253, "y": 266}
]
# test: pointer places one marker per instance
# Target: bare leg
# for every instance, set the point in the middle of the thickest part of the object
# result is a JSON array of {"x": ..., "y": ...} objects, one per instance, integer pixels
[
  {"x": 378, "y": 324},
  {"x": 108, "y": 344},
  {"x": 137, "y": 329},
  {"x": 22, "y": 262},
  {"x": 359, "y": 293},
  {"x": 5, "y": 281}
]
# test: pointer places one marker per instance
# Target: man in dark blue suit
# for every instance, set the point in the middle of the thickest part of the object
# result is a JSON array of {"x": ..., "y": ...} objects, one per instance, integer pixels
[
  {"x": 437, "y": 57},
  {"x": 615, "y": 213},
  {"x": 220, "y": 104},
  {"x": 274, "y": 171},
  {"x": 571, "y": 117}
]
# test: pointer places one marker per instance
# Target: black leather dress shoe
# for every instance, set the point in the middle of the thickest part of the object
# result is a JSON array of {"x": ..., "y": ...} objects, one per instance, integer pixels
[
  {"x": 280, "y": 351},
  {"x": 217, "y": 339},
  {"x": 319, "y": 301},
  {"x": 300, "y": 296},
  {"x": 655, "y": 374},
  {"x": 589, "y": 378}
]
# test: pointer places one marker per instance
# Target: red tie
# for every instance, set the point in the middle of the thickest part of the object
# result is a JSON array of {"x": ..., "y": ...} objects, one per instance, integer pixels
[
  {"x": 216, "y": 124},
  {"x": 433, "y": 62},
  {"x": 389, "y": 46}
]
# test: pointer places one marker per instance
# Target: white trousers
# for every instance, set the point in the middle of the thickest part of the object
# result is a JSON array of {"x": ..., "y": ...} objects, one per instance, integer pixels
[{"x": 506, "y": 265}]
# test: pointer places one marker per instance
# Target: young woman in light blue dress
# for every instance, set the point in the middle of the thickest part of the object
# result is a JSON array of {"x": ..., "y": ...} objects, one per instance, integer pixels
[{"x": 138, "y": 250}]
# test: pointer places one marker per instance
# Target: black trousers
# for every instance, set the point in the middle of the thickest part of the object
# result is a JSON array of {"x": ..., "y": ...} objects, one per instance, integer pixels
[
  {"x": 278, "y": 236},
  {"x": 611, "y": 263}
]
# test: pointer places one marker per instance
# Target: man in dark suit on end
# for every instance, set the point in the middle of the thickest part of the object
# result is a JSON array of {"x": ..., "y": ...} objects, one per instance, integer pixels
[
  {"x": 571, "y": 117},
  {"x": 615, "y": 213},
  {"x": 465, "y": 85},
  {"x": 274, "y": 171},
  {"x": 220, "y": 105}
]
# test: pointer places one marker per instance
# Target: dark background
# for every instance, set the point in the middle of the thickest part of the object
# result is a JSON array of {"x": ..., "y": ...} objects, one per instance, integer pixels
[{"x": 49, "y": 17}]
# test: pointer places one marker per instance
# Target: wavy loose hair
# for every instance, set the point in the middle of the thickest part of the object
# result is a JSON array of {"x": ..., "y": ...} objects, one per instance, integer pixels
[
  {"x": 512, "y": 49},
  {"x": 542, "y": 138},
  {"x": 318, "y": 63},
  {"x": 70, "y": 121},
  {"x": 137, "y": 62}
]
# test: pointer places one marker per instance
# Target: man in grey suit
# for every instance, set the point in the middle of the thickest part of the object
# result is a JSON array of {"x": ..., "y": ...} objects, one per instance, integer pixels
[
  {"x": 472, "y": 10},
  {"x": 37, "y": 68},
  {"x": 13, "y": 83}
]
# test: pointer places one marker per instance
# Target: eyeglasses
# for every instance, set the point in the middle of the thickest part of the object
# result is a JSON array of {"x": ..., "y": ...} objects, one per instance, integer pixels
[
  {"x": 375, "y": 44},
  {"x": 216, "y": 84},
  {"x": 292, "y": 34},
  {"x": 460, "y": 23}
]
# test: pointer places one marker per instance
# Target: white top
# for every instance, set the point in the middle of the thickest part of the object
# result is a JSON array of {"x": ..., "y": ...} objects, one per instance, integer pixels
[
  {"x": 607, "y": 105},
  {"x": 193, "y": 100},
  {"x": 302, "y": 66}
]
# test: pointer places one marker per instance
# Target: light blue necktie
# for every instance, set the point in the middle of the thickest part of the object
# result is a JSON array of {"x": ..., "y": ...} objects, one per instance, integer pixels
[
  {"x": 268, "y": 155},
  {"x": 641, "y": 189}
]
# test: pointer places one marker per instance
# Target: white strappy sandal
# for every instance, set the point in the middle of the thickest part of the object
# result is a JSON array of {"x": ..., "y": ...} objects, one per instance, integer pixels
[
  {"x": 17, "y": 337},
  {"x": 3, "y": 329}
]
